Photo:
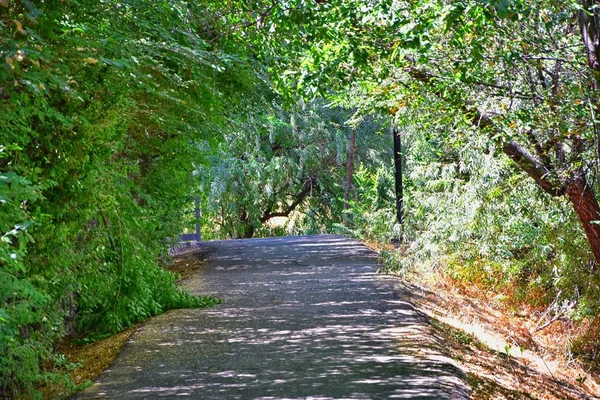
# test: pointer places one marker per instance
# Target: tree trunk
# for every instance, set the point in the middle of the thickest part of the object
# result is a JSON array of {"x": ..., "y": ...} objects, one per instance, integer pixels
[
  {"x": 579, "y": 191},
  {"x": 588, "y": 210},
  {"x": 246, "y": 230},
  {"x": 591, "y": 35},
  {"x": 398, "y": 176},
  {"x": 249, "y": 231},
  {"x": 349, "y": 172}
]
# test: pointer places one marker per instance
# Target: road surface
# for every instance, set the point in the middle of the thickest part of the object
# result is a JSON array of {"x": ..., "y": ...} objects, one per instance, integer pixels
[{"x": 303, "y": 318}]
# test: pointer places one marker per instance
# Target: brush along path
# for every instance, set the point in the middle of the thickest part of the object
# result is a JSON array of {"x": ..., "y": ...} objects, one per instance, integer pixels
[{"x": 304, "y": 317}]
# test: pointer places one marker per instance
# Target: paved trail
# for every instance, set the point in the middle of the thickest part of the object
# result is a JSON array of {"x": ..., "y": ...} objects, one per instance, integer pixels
[{"x": 303, "y": 318}]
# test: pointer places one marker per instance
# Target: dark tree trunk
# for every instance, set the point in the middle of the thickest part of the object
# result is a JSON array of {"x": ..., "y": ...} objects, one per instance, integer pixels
[
  {"x": 249, "y": 231},
  {"x": 246, "y": 230},
  {"x": 590, "y": 35},
  {"x": 587, "y": 209},
  {"x": 349, "y": 172},
  {"x": 398, "y": 176}
]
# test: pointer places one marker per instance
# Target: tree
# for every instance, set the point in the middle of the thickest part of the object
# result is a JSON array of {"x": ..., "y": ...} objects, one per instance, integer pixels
[
  {"x": 272, "y": 165},
  {"x": 518, "y": 73},
  {"x": 105, "y": 105}
]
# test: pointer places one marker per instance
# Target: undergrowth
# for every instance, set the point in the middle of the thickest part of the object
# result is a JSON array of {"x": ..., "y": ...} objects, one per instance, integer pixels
[{"x": 96, "y": 160}]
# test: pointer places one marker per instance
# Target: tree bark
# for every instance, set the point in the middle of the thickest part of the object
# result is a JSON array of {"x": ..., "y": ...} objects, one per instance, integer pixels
[
  {"x": 349, "y": 172},
  {"x": 590, "y": 35},
  {"x": 398, "y": 176},
  {"x": 587, "y": 209},
  {"x": 249, "y": 231}
]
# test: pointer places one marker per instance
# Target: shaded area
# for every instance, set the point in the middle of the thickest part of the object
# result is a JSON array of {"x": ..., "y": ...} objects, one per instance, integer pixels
[
  {"x": 91, "y": 359},
  {"x": 189, "y": 263},
  {"x": 304, "y": 317}
]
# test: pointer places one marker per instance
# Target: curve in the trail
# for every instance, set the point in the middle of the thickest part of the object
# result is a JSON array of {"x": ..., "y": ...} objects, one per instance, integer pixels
[{"x": 303, "y": 318}]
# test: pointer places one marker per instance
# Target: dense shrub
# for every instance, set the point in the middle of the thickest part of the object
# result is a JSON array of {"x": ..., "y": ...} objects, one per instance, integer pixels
[{"x": 103, "y": 106}]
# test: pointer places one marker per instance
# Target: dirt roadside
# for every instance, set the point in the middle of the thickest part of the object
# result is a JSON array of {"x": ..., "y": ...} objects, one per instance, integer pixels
[{"x": 502, "y": 350}]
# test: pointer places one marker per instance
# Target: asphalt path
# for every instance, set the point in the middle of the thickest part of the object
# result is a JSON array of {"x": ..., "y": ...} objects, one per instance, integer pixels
[{"x": 303, "y": 318}]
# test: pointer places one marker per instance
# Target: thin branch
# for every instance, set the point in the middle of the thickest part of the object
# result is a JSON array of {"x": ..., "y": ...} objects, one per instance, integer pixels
[
  {"x": 541, "y": 173},
  {"x": 299, "y": 198}
]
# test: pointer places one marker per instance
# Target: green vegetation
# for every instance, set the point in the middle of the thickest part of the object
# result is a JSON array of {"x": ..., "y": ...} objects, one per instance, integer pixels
[
  {"x": 97, "y": 100},
  {"x": 286, "y": 164},
  {"x": 116, "y": 112}
]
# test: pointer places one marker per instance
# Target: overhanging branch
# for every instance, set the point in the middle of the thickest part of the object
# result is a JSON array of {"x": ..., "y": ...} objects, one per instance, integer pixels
[
  {"x": 541, "y": 173},
  {"x": 299, "y": 198}
]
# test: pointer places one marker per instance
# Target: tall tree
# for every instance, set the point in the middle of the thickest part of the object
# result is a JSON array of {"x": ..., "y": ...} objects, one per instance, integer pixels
[
  {"x": 272, "y": 165},
  {"x": 397, "y": 138},
  {"x": 517, "y": 72},
  {"x": 349, "y": 170}
]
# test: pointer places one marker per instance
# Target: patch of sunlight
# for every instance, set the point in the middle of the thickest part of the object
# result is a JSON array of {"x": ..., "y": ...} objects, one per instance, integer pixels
[{"x": 497, "y": 343}]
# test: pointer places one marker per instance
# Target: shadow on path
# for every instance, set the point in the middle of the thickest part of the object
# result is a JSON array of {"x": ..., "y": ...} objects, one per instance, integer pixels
[{"x": 304, "y": 317}]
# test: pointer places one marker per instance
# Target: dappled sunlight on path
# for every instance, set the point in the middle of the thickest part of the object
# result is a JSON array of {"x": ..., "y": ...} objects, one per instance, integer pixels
[{"x": 304, "y": 317}]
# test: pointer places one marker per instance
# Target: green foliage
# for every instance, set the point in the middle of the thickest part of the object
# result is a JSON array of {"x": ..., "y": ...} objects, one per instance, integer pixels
[
  {"x": 276, "y": 163},
  {"x": 21, "y": 304},
  {"x": 371, "y": 215},
  {"x": 103, "y": 105}
]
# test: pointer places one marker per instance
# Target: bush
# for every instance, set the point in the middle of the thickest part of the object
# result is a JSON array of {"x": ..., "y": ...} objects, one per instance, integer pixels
[{"x": 100, "y": 129}]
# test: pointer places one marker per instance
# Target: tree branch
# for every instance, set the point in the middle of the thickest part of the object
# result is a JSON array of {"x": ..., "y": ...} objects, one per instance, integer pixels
[
  {"x": 541, "y": 173},
  {"x": 306, "y": 189}
]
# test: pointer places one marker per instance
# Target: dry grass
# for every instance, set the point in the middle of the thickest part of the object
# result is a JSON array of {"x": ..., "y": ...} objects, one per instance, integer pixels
[
  {"x": 92, "y": 359},
  {"x": 501, "y": 347},
  {"x": 509, "y": 350},
  {"x": 95, "y": 357}
]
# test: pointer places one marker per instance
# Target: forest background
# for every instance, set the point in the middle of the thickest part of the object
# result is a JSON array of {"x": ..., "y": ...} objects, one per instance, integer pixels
[{"x": 115, "y": 113}]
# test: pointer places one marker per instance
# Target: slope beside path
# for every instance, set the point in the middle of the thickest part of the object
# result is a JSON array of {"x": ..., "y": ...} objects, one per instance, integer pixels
[{"x": 304, "y": 318}]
